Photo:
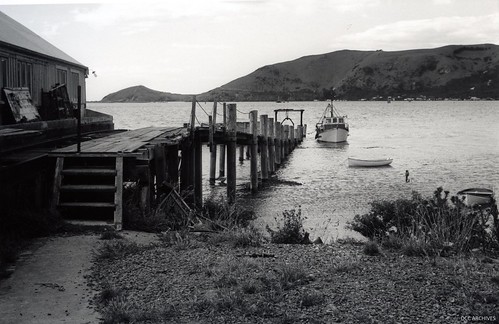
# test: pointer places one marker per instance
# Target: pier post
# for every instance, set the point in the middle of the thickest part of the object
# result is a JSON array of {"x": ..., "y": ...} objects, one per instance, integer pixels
[
  {"x": 198, "y": 171},
  {"x": 213, "y": 146},
  {"x": 291, "y": 138},
  {"x": 241, "y": 154},
  {"x": 160, "y": 164},
  {"x": 221, "y": 167},
  {"x": 300, "y": 133},
  {"x": 264, "y": 151},
  {"x": 187, "y": 171},
  {"x": 271, "y": 146},
  {"x": 172, "y": 165},
  {"x": 231, "y": 152},
  {"x": 278, "y": 142},
  {"x": 285, "y": 140},
  {"x": 254, "y": 151}
]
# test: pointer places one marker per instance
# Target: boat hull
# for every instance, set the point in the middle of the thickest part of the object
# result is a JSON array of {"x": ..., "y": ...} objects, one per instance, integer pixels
[
  {"x": 368, "y": 163},
  {"x": 476, "y": 196},
  {"x": 337, "y": 135}
]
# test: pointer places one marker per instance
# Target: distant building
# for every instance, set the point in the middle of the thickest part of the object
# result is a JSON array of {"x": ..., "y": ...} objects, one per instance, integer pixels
[{"x": 29, "y": 61}]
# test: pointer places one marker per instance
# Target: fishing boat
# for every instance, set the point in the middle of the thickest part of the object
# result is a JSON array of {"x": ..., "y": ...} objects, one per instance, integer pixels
[
  {"x": 353, "y": 162},
  {"x": 332, "y": 127},
  {"x": 476, "y": 196}
]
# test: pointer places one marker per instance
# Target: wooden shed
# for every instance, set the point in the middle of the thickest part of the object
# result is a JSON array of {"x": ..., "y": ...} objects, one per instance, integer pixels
[{"x": 28, "y": 61}]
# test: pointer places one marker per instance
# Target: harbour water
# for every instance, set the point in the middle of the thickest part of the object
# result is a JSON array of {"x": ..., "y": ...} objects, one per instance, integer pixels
[{"x": 453, "y": 144}]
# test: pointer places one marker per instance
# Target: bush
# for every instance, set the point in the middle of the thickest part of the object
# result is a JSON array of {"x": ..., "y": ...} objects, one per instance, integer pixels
[
  {"x": 436, "y": 225},
  {"x": 116, "y": 249},
  {"x": 292, "y": 231},
  {"x": 225, "y": 216},
  {"x": 371, "y": 248}
]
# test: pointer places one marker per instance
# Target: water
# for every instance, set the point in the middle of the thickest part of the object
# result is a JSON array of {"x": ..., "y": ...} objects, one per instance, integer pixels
[{"x": 453, "y": 144}]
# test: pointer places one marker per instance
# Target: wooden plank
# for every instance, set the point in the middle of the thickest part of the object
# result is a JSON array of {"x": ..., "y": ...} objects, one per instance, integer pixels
[
  {"x": 87, "y": 205},
  {"x": 118, "y": 194},
  {"x": 89, "y": 171},
  {"x": 59, "y": 164},
  {"x": 87, "y": 188}
]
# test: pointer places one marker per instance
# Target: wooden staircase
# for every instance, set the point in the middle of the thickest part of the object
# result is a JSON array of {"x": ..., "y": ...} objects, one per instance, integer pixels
[{"x": 89, "y": 188}]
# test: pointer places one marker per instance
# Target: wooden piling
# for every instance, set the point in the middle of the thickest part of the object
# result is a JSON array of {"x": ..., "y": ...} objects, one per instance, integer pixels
[
  {"x": 172, "y": 165},
  {"x": 285, "y": 140},
  {"x": 213, "y": 146},
  {"x": 241, "y": 154},
  {"x": 254, "y": 151},
  {"x": 198, "y": 171},
  {"x": 291, "y": 138},
  {"x": 264, "y": 150},
  {"x": 231, "y": 152},
  {"x": 271, "y": 146},
  {"x": 278, "y": 142},
  {"x": 221, "y": 167},
  {"x": 160, "y": 164}
]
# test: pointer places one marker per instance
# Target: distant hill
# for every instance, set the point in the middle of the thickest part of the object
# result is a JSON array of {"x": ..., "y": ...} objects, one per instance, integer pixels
[
  {"x": 143, "y": 94},
  {"x": 454, "y": 71}
]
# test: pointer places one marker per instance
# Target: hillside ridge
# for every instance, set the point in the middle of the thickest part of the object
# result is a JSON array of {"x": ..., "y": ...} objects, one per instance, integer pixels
[{"x": 452, "y": 71}]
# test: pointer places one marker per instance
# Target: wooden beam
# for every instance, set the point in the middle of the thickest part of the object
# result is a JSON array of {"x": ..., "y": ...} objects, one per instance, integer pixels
[
  {"x": 198, "y": 171},
  {"x": 254, "y": 151},
  {"x": 231, "y": 152},
  {"x": 213, "y": 146},
  {"x": 59, "y": 165},
  {"x": 271, "y": 146},
  {"x": 118, "y": 194},
  {"x": 264, "y": 150},
  {"x": 221, "y": 168}
]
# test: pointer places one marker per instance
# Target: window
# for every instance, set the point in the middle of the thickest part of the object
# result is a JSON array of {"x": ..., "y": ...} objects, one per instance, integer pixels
[
  {"x": 24, "y": 75},
  {"x": 62, "y": 76},
  {"x": 73, "y": 86}
]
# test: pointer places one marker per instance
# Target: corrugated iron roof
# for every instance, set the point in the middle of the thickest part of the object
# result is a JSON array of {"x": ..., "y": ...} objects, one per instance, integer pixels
[{"x": 14, "y": 33}]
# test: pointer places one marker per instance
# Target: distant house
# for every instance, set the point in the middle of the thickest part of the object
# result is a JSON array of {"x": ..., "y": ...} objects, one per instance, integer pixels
[{"x": 29, "y": 61}]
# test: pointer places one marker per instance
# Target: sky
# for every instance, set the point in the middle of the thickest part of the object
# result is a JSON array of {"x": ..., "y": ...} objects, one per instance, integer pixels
[{"x": 193, "y": 46}]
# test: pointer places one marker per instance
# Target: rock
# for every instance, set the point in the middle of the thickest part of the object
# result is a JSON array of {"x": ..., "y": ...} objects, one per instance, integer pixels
[{"x": 318, "y": 240}]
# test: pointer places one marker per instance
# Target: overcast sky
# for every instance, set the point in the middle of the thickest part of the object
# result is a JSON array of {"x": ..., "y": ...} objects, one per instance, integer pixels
[{"x": 192, "y": 46}]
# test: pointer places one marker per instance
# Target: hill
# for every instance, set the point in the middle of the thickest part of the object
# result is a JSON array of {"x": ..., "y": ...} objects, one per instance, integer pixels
[
  {"x": 454, "y": 71},
  {"x": 143, "y": 94}
]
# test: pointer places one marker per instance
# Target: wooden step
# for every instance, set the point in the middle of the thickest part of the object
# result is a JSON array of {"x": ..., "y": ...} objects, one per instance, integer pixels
[
  {"x": 87, "y": 205},
  {"x": 100, "y": 188},
  {"x": 108, "y": 172}
]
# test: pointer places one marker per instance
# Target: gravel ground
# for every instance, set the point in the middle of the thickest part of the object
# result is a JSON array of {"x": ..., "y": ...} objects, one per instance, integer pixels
[{"x": 204, "y": 279}]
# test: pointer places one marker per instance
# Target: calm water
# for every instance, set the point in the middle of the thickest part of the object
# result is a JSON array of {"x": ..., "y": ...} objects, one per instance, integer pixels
[{"x": 453, "y": 144}]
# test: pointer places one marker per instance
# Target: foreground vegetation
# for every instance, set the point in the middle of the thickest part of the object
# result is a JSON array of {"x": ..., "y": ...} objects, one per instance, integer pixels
[{"x": 233, "y": 273}]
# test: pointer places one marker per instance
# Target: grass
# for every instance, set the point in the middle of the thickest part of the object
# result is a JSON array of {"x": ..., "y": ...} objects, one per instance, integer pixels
[
  {"x": 311, "y": 298},
  {"x": 291, "y": 230},
  {"x": 371, "y": 248},
  {"x": 116, "y": 249}
]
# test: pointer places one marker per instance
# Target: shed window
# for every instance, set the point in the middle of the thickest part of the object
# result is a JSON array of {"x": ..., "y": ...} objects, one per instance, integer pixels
[
  {"x": 62, "y": 76},
  {"x": 73, "y": 86},
  {"x": 24, "y": 75}
]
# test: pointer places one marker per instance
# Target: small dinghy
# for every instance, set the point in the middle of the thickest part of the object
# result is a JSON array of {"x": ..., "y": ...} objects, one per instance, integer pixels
[
  {"x": 352, "y": 162},
  {"x": 476, "y": 196}
]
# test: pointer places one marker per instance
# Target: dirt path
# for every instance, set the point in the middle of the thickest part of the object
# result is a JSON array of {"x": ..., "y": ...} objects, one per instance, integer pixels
[{"x": 49, "y": 285}]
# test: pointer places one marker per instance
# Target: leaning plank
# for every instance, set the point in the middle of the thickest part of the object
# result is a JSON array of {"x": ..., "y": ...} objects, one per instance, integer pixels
[
  {"x": 118, "y": 194},
  {"x": 59, "y": 164}
]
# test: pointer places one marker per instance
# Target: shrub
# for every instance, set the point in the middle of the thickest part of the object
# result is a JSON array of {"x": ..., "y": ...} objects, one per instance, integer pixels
[
  {"x": 225, "y": 216},
  {"x": 292, "y": 275},
  {"x": 345, "y": 266},
  {"x": 291, "y": 231},
  {"x": 311, "y": 298},
  {"x": 436, "y": 225},
  {"x": 371, "y": 248},
  {"x": 116, "y": 249}
]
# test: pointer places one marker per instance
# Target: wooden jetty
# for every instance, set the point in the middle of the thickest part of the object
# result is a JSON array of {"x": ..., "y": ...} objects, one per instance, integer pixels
[{"x": 90, "y": 178}]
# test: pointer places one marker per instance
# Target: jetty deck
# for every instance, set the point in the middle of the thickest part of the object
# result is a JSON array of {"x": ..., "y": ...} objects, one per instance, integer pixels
[
  {"x": 89, "y": 175},
  {"x": 128, "y": 143}
]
